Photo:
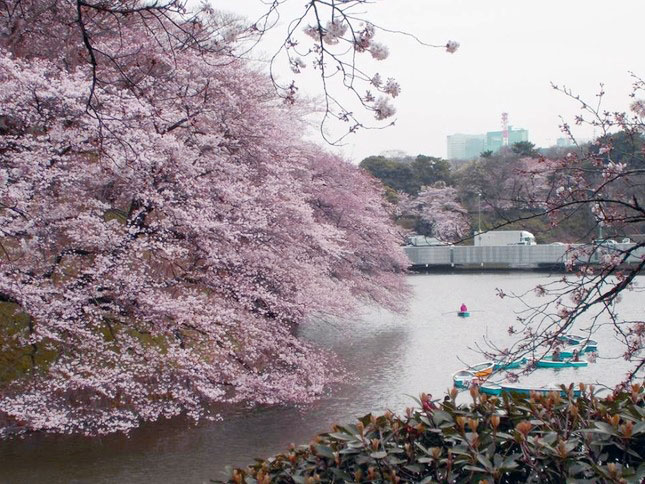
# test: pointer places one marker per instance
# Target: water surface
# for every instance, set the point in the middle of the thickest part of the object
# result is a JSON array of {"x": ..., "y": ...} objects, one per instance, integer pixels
[{"x": 391, "y": 357}]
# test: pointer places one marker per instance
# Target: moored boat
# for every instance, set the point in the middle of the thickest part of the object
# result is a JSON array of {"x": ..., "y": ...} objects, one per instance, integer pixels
[
  {"x": 462, "y": 378},
  {"x": 577, "y": 340},
  {"x": 548, "y": 362},
  {"x": 590, "y": 346},
  {"x": 490, "y": 388},
  {"x": 543, "y": 390},
  {"x": 569, "y": 339},
  {"x": 482, "y": 370},
  {"x": 510, "y": 365},
  {"x": 567, "y": 352}
]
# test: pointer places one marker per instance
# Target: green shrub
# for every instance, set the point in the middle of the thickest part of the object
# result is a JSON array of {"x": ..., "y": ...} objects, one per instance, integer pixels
[{"x": 543, "y": 438}]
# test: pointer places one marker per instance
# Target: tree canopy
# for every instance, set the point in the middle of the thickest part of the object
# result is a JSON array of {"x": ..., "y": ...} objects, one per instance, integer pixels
[
  {"x": 408, "y": 175},
  {"x": 524, "y": 148}
]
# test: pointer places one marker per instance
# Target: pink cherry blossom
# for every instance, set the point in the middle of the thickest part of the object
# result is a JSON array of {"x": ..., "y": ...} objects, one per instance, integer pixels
[
  {"x": 452, "y": 46},
  {"x": 383, "y": 109},
  {"x": 439, "y": 207}
]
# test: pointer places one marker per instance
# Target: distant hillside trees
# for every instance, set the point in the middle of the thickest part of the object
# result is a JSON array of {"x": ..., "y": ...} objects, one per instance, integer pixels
[
  {"x": 408, "y": 174},
  {"x": 524, "y": 148},
  {"x": 503, "y": 185},
  {"x": 622, "y": 147}
]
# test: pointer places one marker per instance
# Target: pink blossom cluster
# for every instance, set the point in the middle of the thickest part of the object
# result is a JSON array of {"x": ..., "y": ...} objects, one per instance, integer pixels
[
  {"x": 383, "y": 108},
  {"x": 439, "y": 206},
  {"x": 638, "y": 107},
  {"x": 452, "y": 46},
  {"x": 331, "y": 34}
]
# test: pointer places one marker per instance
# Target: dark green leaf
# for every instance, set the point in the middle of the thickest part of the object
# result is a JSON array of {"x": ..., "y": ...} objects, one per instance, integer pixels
[
  {"x": 427, "y": 480},
  {"x": 341, "y": 436},
  {"x": 414, "y": 468},
  {"x": 485, "y": 462},
  {"x": 324, "y": 451},
  {"x": 604, "y": 427},
  {"x": 440, "y": 416}
]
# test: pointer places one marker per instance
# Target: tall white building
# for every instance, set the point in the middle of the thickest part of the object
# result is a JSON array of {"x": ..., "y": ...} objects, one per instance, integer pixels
[{"x": 465, "y": 146}]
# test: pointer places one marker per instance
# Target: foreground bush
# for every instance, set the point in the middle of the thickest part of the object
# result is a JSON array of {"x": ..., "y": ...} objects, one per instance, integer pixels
[{"x": 550, "y": 438}]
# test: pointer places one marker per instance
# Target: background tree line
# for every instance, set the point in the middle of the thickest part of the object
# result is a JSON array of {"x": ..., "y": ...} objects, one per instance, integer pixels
[{"x": 495, "y": 186}]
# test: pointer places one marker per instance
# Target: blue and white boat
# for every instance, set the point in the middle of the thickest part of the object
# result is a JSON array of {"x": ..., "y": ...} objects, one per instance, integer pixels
[
  {"x": 497, "y": 389},
  {"x": 490, "y": 388},
  {"x": 481, "y": 371},
  {"x": 549, "y": 362},
  {"x": 577, "y": 340},
  {"x": 542, "y": 390},
  {"x": 463, "y": 378},
  {"x": 510, "y": 365},
  {"x": 567, "y": 352}
]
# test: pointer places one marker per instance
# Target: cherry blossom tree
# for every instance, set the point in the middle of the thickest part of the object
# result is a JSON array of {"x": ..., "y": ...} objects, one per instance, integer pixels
[
  {"x": 164, "y": 227},
  {"x": 439, "y": 211}
]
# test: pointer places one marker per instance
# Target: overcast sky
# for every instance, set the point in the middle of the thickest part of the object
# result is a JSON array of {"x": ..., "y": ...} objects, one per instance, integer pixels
[{"x": 510, "y": 53}]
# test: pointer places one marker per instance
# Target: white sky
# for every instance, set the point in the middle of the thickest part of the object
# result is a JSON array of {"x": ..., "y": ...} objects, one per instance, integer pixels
[{"x": 510, "y": 52}]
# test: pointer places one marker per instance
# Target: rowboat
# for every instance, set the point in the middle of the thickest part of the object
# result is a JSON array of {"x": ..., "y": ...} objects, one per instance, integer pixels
[
  {"x": 590, "y": 346},
  {"x": 568, "y": 352},
  {"x": 502, "y": 365},
  {"x": 490, "y": 388},
  {"x": 482, "y": 370},
  {"x": 575, "y": 340},
  {"x": 463, "y": 314},
  {"x": 569, "y": 339},
  {"x": 463, "y": 378},
  {"x": 496, "y": 389},
  {"x": 548, "y": 362},
  {"x": 543, "y": 390}
]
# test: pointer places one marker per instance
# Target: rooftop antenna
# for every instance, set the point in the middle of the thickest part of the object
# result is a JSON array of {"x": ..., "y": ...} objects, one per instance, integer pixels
[{"x": 504, "y": 129}]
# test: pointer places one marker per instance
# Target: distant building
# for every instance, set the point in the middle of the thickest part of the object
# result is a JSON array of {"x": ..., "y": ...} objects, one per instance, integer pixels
[
  {"x": 494, "y": 139},
  {"x": 563, "y": 142},
  {"x": 567, "y": 142},
  {"x": 469, "y": 146},
  {"x": 465, "y": 146}
]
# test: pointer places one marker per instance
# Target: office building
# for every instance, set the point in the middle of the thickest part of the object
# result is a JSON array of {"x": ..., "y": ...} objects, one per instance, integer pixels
[
  {"x": 470, "y": 146},
  {"x": 465, "y": 146}
]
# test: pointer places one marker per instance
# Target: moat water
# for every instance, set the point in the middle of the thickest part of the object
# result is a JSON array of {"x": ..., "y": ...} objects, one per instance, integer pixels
[{"x": 390, "y": 356}]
